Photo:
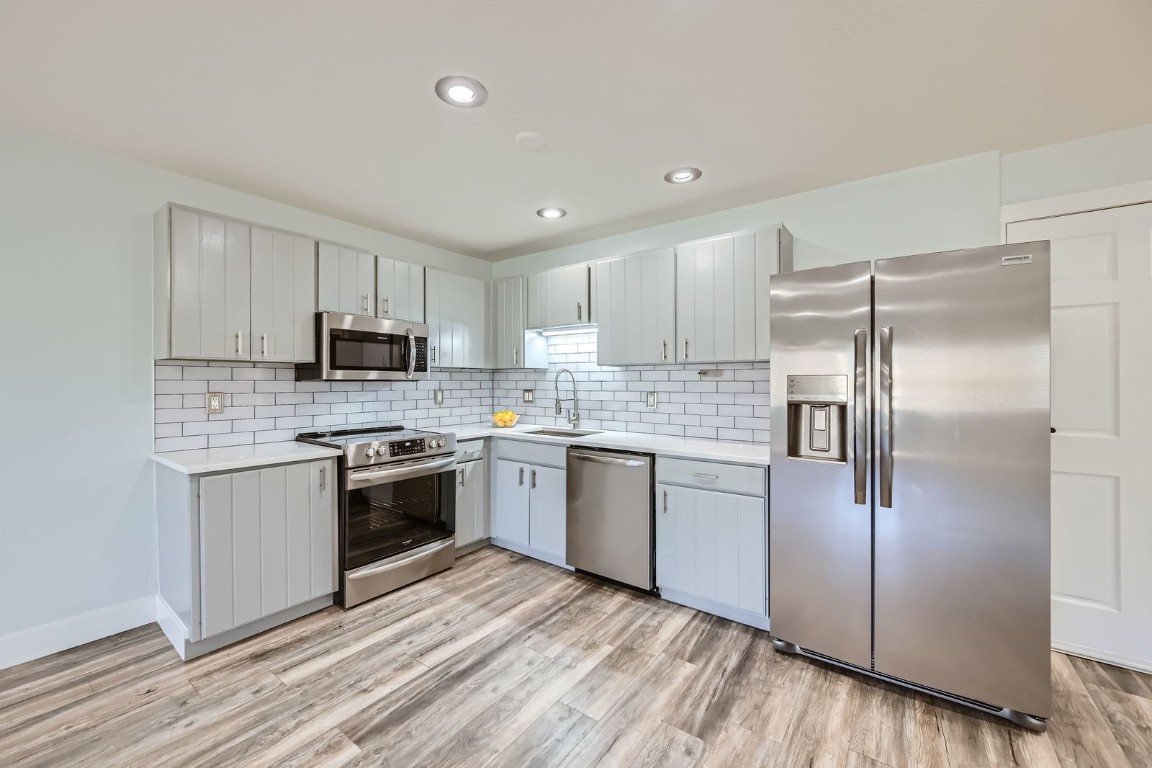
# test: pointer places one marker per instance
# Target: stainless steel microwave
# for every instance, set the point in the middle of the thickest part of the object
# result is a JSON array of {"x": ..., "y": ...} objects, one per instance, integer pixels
[{"x": 359, "y": 348}]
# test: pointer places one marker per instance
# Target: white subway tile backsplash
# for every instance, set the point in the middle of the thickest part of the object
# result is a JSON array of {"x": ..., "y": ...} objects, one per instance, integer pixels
[{"x": 264, "y": 403}]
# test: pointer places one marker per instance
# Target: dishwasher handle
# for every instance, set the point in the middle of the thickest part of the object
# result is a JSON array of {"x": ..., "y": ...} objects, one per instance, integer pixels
[{"x": 598, "y": 459}]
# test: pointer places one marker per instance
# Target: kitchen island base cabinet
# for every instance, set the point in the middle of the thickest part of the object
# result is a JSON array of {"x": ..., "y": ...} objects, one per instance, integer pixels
[
  {"x": 241, "y": 552},
  {"x": 529, "y": 511},
  {"x": 711, "y": 552}
]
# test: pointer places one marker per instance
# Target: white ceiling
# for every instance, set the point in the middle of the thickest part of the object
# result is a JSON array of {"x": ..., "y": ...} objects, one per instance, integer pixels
[{"x": 329, "y": 105}]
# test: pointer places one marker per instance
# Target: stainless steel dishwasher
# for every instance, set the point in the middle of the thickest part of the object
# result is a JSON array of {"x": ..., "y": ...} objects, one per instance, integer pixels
[{"x": 610, "y": 515}]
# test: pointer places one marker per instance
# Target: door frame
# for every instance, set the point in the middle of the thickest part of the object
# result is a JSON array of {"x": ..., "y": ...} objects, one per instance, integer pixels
[{"x": 1106, "y": 198}]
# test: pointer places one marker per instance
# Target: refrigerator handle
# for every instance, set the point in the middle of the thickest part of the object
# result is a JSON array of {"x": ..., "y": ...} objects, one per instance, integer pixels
[
  {"x": 860, "y": 407},
  {"x": 885, "y": 416}
]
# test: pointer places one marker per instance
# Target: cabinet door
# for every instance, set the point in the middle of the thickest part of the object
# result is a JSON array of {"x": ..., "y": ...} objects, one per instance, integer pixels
[
  {"x": 547, "y": 527},
  {"x": 559, "y": 297},
  {"x": 433, "y": 285},
  {"x": 346, "y": 280},
  {"x": 471, "y": 503},
  {"x": 768, "y": 263},
  {"x": 510, "y": 513},
  {"x": 651, "y": 288},
  {"x": 508, "y": 323},
  {"x": 386, "y": 287},
  {"x": 477, "y": 322},
  {"x": 283, "y": 297},
  {"x": 211, "y": 292},
  {"x": 409, "y": 299},
  {"x": 712, "y": 545},
  {"x": 267, "y": 541}
]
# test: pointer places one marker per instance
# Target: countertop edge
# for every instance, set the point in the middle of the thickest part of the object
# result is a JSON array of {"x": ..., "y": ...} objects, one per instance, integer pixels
[{"x": 207, "y": 460}]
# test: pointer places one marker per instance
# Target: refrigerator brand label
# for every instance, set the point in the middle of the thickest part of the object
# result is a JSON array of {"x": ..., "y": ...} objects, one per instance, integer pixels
[{"x": 1009, "y": 261}]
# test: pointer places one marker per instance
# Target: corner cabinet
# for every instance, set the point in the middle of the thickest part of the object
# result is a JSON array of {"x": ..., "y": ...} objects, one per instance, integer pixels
[
  {"x": 456, "y": 308},
  {"x": 560, "y": 297},
  {"x": 711, "y": 538},
  {"x": 241, "y": 552},
  {"x": 346, "y": 281},
  {"x": 635, "y": 316},
  {"x": 227, "y": 290},
  {"x": 512, "y": 344}
]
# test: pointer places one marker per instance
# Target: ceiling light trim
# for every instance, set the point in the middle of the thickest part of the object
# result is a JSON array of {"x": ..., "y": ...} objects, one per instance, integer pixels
[
  {"x": 451, "y": 88},
  {"x": 685, "y": 175},
  {"x": 551, "y": 213}
]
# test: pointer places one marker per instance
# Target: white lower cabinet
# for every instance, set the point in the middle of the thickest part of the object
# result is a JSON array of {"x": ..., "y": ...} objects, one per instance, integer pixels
[
  {"x": 711, "y": 552},
  {"x": 530, "y": 509},
  {"x": 471, "y": 502},
  {"x": 241, "y": 552}
]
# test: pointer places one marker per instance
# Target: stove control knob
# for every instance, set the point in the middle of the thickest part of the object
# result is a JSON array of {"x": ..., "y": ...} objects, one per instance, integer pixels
[
  {"x": 437, "y": 443},
  {"x": 372, "y": 450}
]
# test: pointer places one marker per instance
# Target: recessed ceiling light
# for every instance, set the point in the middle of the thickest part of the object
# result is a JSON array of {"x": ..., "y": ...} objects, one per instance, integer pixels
[
  {"x": 682, "y": 175},
  {"x": 551, "y": 213},
  {"x": 460, "y": 91}
]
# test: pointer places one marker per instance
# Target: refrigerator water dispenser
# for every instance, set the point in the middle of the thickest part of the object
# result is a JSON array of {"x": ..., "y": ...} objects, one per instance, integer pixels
[{"x": 817, "y": 415}]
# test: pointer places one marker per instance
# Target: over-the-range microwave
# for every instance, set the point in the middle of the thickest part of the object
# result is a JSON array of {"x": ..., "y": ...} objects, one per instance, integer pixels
[{"x": 359, "y": 348}]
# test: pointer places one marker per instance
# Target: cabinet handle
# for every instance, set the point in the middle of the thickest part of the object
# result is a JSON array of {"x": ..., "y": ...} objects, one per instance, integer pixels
[
  {"x": 365, "y": 303},
  {"x": 322, "y": 478},
  {"x": 387, "y": 307},
  {"x": 239, "y": 343},
  {"x": 521, "y": 475},
  {"x": 664, "y": 349},
  {"x": 460, "y": 473},
  {"x": 685, "y": 347},
  {"x": 579, "y": 312},
  {"x": 533, "y": 478},
  {"x": 515, "y": 357},
  {"x": 665, "y": 502},
  {"x": 432, "y": 352},
  {"x": 704, "y": 476},
  {"x": 264, "y": 344}
]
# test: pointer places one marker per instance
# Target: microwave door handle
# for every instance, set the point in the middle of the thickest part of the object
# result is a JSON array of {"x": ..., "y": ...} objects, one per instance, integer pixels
[{"x": 411, "y": 354}]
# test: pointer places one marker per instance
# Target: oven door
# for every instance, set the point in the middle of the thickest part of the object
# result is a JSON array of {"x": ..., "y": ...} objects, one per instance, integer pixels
[
  {"x": 392, "y": 510},
  {"x": 353, "y": 347}
]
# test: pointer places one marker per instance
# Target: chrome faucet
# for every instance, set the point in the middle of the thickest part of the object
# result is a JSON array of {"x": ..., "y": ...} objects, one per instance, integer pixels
[{"x": 574, "y": 414}]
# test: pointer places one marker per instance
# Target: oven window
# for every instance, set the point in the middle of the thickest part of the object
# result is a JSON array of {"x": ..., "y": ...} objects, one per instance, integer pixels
[
  {"x": 354, "y": 351},
  {"x": 388, "y": 519}
]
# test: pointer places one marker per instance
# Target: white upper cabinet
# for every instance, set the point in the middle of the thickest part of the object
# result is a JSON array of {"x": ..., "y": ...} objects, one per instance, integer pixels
[
  {"x": 457, "y": 320},
  {"x": 283, "y": 297},
  {"x": 716, "y": 299},
  {"x": 635, "y": 314},
  {"x": 559, "y": 297},
  {"x": 399, "y": 290},
  {"x": 227, "y": 290},
  {"x": 512, "y": 345},
  {"x": 347, "y": 280},
  {"x": 773, "y": 256}
]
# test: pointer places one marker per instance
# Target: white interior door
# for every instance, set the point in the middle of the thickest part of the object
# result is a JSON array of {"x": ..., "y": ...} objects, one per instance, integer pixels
[{"x": 1101, "y": 450}]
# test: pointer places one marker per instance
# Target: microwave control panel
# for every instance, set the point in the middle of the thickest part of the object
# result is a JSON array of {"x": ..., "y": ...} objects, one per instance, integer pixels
[{"x": 406, "y": 447}]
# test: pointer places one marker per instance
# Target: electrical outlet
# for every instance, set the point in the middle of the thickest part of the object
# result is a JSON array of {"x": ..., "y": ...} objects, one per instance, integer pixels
[
  {"x": 529, "y": 395},
  {"x": 215, "y": 403},
  {"x": 439, "y": 397},
  {"x": 651, "y": 399}
]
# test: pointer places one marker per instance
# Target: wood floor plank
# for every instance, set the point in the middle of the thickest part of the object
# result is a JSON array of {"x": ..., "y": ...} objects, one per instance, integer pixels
[
  {"x": 548, "y": 741},
  {"x": 507, "y": 661},
  {"x": 670, "y": 747}
]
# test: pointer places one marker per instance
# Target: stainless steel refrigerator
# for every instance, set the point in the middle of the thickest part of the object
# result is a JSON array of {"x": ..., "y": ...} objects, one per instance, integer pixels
[{"x": 909, "y": 518}]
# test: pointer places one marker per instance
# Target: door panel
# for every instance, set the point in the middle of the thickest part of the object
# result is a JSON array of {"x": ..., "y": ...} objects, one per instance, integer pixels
[
  {"x": 298, "y": 512},
  {"x": 303, "y": 300},
  {"x": 386, "y": 287},
  {"x": 547, "y": 527},
  {"x": 962, "y": 556},
  {"x": 821, "y": 539},
  {"x": 510, "y": 514},
  {"x": 1101, "y": 365},
  {"x": 322, "y": 479},
  {"x": 273, "y": 540}
]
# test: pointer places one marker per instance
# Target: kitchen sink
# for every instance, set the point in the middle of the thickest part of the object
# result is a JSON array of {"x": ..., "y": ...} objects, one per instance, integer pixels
[{"x": 566, "y": 432}]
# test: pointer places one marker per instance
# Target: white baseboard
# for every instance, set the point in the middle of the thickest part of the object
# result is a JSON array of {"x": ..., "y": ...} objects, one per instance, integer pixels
[
  {"x": 1094, "y": 654},
  {"x": 173, "y": 628},
  {"x": 535, "y": 554},
  {"x": 29, "y": 644},
  {"x": 724, "y": 611}
]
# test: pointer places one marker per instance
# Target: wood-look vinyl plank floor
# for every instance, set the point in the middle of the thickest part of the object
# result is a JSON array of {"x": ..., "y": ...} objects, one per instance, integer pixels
[{"x": 506, "y": 662}]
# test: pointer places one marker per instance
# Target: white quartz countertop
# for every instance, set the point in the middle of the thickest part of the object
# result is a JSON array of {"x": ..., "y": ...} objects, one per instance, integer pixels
[
  {"x": 730, "y": 451},
  {"x": 239, "y": 457}
]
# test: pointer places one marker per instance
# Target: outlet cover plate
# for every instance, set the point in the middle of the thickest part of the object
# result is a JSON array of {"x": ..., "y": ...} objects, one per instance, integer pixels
[
  {"x": 438, "y": 396},
  {"x": 651, "y": 399},
  {"x": 214, "y": 403},
  {"x": 529, "y": 395}
]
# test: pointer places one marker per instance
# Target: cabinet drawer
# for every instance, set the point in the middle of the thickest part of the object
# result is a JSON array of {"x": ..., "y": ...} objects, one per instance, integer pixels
[
  {"x": 532, "y": 453},
  {"x": 470, "y": 450},
  {"x": 733, "y": 478}
]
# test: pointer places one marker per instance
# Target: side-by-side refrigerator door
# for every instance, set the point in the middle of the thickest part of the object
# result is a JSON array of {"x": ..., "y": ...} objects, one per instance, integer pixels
[
  {"x": 820, "y": 540},
  {"x": 962, "y": 513}
]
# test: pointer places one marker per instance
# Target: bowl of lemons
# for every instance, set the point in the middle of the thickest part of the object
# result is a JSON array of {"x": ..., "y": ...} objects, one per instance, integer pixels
[{"x": 505, "y": 419}]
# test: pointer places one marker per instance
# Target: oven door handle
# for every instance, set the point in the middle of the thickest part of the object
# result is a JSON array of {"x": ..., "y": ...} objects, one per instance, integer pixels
[
  {"x": 411, "y": 354},
  {"x": 365, "y": 478},
  {"x": 417, "y": 554}
]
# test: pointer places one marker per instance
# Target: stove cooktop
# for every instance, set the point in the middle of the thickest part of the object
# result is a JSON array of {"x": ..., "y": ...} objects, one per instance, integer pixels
[{"x": 383, "y": 443}]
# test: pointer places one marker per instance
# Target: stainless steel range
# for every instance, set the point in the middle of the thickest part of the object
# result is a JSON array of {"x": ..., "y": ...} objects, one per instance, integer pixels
[{"x": 397, "y": 506}]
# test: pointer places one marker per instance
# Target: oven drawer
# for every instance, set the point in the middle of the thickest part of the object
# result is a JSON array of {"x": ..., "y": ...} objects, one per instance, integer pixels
[{"x": 392, "y": 573}]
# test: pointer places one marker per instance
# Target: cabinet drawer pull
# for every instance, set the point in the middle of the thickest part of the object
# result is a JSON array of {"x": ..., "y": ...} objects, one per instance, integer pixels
[{"x": 705, "y": 476}]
